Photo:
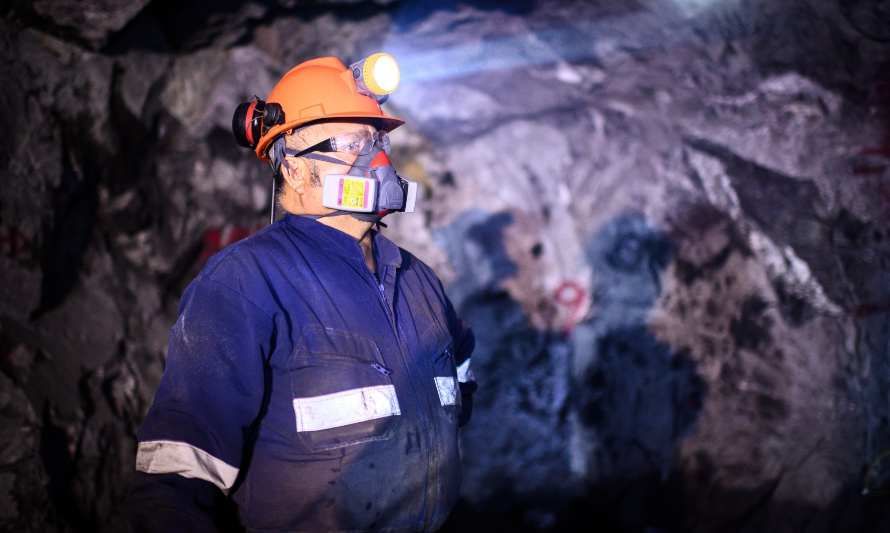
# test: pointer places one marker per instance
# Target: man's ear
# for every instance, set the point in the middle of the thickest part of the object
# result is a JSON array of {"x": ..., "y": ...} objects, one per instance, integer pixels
[{"x": 294, "y": 171}]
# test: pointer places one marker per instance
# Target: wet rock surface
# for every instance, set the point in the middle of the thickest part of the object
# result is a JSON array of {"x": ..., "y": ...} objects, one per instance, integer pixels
[{"x": 666, "y": 221}]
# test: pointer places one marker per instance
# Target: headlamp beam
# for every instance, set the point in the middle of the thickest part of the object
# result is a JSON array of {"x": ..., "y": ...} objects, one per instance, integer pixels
[{"x": 377, "y": 75}]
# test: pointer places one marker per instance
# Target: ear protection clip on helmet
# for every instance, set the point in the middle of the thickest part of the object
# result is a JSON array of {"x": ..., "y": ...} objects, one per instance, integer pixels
[{"x": 253, "y": 119}]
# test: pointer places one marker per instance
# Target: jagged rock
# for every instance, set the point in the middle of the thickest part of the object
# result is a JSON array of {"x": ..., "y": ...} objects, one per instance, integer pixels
[
  {"x": 20, "y": 360},
  {"x": 23, "y": 496},
  {"x": 139, "y": 76},
  {"x": 8, "y": 508},
  {"x": 33, "y": 156},
  {"x": 18, "y": 438},
  {"x": 191, "y": 26},
  {"x": 189, "y": 85},
  {"x": 90, "y": 22}
]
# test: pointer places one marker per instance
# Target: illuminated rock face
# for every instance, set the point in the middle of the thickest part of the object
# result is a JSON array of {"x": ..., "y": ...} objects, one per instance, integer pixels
[{"x": 667, "y": 222}]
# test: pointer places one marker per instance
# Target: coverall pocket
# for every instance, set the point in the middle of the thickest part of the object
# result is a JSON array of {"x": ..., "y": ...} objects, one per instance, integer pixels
[
  {"x": 342, "y": 393},
  {"x": 445, "y": 381}
]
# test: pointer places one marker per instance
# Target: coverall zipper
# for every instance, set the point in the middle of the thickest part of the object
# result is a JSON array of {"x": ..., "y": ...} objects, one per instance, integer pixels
[
  {"x": 390, "y": 313},
  {"x": 382, "y": 369}
]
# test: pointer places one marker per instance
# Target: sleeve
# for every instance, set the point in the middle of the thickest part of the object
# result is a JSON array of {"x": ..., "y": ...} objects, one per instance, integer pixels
[
  {"x": 199, "y": 427},
  {"x": 171, "y": 502},
  {"x": 464, "y": 344}
]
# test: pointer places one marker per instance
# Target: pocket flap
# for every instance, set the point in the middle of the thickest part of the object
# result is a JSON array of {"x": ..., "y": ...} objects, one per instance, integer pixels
[{"x": 324, "y": 342}]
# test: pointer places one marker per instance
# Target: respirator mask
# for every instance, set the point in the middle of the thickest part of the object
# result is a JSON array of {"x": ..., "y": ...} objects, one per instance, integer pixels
[{"x": 371, "y": 188}]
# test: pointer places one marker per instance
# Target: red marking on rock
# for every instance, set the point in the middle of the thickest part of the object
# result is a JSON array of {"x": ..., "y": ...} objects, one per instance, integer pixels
[
  {"x": 569, "y": 293},
  {"x": 880, "y": 151},
  {"x": 215, "y": 239},
  {"x": 572, "y": 295},
  {"x": 884, "y": 193},
  {"x": 879, "y": 99},
  {"x": 14, "y": 243},
  {"x": 866, "y": 170},
  {"x": 872, "y": 167},
  {"x": 864, "y": 310}
]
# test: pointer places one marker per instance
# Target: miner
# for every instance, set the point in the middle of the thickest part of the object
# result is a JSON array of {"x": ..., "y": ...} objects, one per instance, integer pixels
[{"x": 317, "y": 374}]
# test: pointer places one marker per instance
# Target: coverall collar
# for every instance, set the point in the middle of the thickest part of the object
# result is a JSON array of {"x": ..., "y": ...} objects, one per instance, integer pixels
[{"x": 385, "y": 251}]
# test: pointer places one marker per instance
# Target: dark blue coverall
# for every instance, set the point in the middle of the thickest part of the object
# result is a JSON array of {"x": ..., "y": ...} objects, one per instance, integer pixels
[{"x": 315, "y": 394}]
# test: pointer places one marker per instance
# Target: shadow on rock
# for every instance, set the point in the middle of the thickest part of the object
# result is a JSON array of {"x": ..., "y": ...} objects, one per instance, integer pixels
[
  {"x": 516, "y": 467},
  {"x": 633, "y": 396},
  {"x": 587, "y": 423}
]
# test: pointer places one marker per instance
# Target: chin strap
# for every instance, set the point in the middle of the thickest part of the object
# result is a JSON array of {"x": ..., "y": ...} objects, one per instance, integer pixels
[
  {"x": 328, "y": 159},
  {"x": 272, "y": 206}
]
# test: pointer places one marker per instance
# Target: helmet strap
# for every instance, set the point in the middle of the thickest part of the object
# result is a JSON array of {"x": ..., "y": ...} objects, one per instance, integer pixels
[
  {"x": 328, "y": 159},
  {"x": 275, "y": 174}
]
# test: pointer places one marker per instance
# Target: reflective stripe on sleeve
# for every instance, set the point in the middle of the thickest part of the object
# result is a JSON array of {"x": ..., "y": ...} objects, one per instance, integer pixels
[
  {"x": 346, "y": 407},
  {"x": 447, "y": 390},
  {"x": 173, "y": 457},
  {"x": 464, "y": 374}
]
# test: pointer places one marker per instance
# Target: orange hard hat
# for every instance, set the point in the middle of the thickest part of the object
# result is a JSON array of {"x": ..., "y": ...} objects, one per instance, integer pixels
[{"x": 321, "y": 89}]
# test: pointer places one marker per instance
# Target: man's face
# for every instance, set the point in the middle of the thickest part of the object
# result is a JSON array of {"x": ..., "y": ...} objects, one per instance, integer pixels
[{"x": 312, "y": 172}]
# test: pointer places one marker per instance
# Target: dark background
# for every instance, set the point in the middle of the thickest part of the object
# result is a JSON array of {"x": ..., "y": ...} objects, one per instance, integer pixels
[{"x": 667, "y": 221}]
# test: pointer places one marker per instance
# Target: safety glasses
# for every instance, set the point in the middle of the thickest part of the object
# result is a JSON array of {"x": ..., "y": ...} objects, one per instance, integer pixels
[{"x": 355, "y": 143}]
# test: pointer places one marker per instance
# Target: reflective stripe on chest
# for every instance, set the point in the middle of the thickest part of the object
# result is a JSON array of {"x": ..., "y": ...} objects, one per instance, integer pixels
[{"x": 347, "y": 407}]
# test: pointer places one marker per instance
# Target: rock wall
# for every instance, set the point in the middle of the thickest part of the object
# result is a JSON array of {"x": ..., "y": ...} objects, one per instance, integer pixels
[{"x": 667, "y": 221}]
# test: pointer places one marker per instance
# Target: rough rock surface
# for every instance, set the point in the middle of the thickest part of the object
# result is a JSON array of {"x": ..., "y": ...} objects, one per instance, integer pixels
[{"x": 667, "y": 222}]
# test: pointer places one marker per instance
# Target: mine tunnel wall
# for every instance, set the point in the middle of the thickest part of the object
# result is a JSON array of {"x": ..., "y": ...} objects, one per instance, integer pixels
[{"x": 667, "y": 222}]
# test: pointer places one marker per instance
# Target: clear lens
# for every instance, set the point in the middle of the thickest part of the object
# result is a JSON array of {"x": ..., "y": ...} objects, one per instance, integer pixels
[{"x": 360, "y": 142}]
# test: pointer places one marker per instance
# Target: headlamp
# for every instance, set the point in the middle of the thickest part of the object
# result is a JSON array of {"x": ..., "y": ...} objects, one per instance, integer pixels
[{"x": 377, "y": 75}]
